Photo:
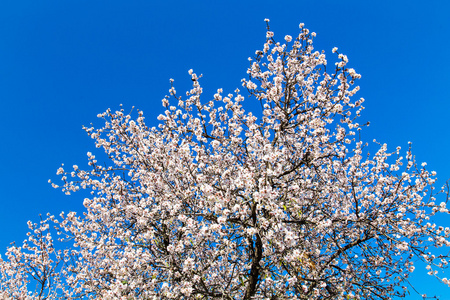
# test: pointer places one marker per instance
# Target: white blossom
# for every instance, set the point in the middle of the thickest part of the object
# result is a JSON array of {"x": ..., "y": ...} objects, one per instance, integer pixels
[{"x": 218, "y": 202}]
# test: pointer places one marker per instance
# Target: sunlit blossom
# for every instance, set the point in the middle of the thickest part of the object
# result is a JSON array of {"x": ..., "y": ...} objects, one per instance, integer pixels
[{"x": 284, "y": 202}]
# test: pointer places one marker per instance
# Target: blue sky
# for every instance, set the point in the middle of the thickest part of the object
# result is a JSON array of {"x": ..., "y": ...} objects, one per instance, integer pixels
[{"x": 63, "y": 62}]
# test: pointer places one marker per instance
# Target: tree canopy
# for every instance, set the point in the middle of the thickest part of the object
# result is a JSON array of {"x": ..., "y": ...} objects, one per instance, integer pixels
[{"x": 284, "y": 202}]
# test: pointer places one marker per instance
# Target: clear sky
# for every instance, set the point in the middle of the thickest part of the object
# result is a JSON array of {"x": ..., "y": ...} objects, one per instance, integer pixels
[{"x": 63, "y": 62}]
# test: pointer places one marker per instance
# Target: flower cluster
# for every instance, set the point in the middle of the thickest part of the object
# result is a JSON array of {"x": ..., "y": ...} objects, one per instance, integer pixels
[{"x": 220, "y": 203}]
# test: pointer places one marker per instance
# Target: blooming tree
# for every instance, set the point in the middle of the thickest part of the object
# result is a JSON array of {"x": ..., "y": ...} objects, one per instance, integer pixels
[{"x": 220, "y": 203}]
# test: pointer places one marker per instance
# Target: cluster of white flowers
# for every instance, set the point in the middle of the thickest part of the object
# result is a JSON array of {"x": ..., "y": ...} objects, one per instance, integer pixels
[{"x": 217, "y": 202}]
